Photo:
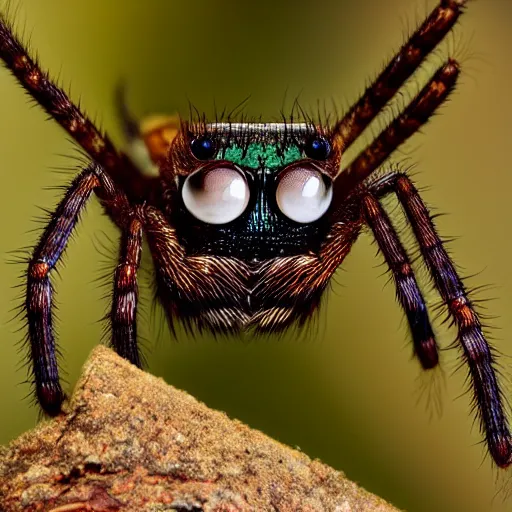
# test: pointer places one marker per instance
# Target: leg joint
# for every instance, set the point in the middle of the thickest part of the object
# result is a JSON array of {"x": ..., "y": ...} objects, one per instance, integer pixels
[{"x": 38, "y": 270}]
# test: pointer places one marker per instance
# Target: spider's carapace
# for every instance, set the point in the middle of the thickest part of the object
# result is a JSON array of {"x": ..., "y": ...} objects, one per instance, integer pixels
[{"x": 247, "y": 222}]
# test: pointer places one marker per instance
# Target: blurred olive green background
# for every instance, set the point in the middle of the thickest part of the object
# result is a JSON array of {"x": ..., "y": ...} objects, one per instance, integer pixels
[{"x": 350, "y": 394}]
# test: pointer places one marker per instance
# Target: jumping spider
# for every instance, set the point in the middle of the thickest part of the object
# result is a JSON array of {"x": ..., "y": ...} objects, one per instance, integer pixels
[{"x": 247, "y": 222}]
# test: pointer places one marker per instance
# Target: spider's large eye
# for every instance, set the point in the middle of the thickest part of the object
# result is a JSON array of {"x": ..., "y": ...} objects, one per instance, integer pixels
[
  {"x": 303, "y": 194},
  {"x": 203, "y": 148},
  {"x": 317, "y": 148},
  {"x": 216, "y": 196}
]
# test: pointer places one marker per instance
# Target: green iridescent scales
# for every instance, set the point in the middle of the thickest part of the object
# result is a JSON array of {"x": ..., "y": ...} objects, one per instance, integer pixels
[{"x": 258, "y": 155}]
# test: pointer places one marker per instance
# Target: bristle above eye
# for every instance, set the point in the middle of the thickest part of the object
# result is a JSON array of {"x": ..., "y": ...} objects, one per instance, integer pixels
[{"x": 237, "y": 128}]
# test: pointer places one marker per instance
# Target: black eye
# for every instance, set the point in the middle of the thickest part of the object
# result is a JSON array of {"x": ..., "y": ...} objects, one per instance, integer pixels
[
  {"x": 317, "y": 148},
  {"x": 203, "y": 148}
]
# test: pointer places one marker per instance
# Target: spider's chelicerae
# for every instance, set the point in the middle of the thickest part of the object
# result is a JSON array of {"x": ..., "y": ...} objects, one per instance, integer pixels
[{"x": 247, "y": 222}]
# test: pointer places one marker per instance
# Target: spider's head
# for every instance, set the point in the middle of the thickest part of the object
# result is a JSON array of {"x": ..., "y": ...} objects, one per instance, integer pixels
[{"x": 252, "y": 191}]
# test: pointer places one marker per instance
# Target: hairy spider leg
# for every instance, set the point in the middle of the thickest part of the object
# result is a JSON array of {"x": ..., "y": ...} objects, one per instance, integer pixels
[
  {"x": 428, "y": 35},
  {"x": 487, "y": 396},
  {"x": 123, "y": 315},
  {"x": 58, "y": 105},
  {"x": 407, "y": 290},
  {"x": 39, "y": 293},
  {"x": 415, "y": 115}
]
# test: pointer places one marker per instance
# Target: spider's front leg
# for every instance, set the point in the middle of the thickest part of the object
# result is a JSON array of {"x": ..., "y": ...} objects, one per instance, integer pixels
[
  {"x": 39, "y": 294},
  {"x": 477, "y": 353},
  {"x": 54, "y": 100},
  {"x": 407, "y": 60}
]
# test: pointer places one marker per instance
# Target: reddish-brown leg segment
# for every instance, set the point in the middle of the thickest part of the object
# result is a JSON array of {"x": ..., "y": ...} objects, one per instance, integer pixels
[
  {"x": 430, "y": 33},
  {"x": 125, "y": 295},
  {"x": 478, "y": 355},
  {"x": 58, "y": 105},
  {"x": 417, "y": 113},
  {"x": 39, "y": 295}
]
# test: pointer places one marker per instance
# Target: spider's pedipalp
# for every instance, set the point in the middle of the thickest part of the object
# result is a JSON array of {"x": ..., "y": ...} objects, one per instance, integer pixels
[
  {"x": 408, "y": 292},
  {"x": 430, "y": 33}
]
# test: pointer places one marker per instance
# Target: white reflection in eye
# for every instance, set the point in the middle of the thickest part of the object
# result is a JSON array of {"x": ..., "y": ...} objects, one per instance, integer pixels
[
  {"x": 311, "y": 187},
  {"x": 216, "y": 196},
  {"x": 238, "y": 189},
  {"x": 303, "y": 194}
]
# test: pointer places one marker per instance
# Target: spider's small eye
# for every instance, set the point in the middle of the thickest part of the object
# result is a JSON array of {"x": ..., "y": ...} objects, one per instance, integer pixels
[
  {"x": 317, "y": 148},
  {"x": 216, "y": 196},
  {"x": 303, "y": 194},
  {"x": 203, "y": 148}
]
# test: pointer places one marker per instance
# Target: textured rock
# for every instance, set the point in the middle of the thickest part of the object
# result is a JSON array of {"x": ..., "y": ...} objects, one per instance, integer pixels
[{"x": 130, "y": 442}]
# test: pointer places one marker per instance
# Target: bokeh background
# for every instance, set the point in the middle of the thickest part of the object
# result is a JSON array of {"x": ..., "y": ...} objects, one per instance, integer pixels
[{"x": 348, "y": 391}]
